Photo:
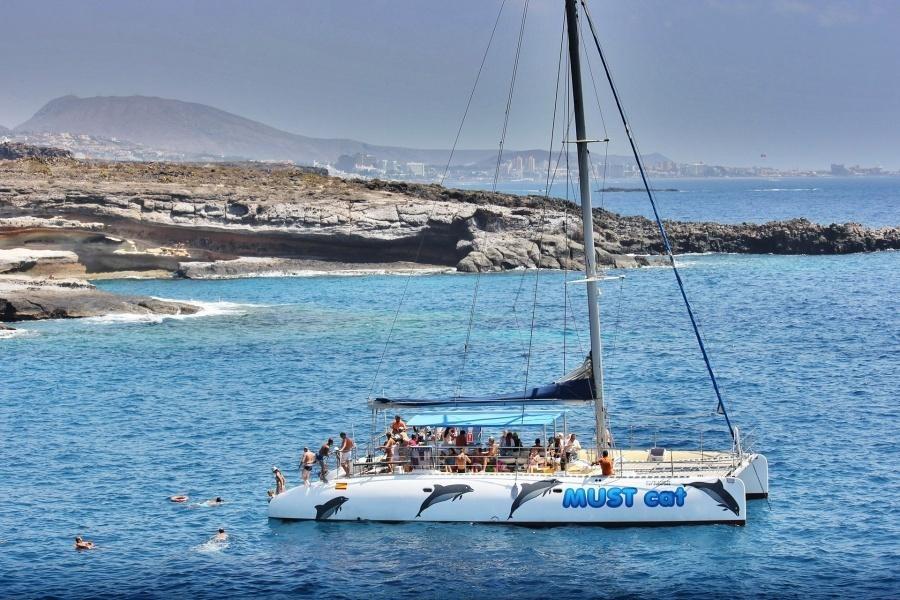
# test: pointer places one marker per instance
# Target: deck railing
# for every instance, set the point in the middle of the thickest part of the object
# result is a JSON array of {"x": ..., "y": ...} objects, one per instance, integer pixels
[{"x": 443, "y": 458}]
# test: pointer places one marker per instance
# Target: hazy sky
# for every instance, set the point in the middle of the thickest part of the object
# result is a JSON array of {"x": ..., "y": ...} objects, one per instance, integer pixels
[{"x": 806, "y": 82}]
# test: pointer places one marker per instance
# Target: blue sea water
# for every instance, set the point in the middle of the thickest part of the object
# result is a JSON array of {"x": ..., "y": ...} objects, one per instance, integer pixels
[
  {"x": 103, "y": 419},
  {"x": 872, "y": 201}
]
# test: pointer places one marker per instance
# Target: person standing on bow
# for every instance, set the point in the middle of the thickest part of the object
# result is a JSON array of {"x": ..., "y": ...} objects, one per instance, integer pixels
[
  {"x": 345, "y": 452},
  {"x": 279, "y": 481},
  {"x": 307, "y": 460},
  {"x": 322, "y": 458}
]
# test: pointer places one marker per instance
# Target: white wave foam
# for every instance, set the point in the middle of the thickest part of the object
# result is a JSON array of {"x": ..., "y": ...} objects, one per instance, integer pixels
[
  {"x": 6, "y": 334},
  {"x": 207, "y": 309},
  {"x": 211, "y": 547},
  {"x": 292, "y": 273}
]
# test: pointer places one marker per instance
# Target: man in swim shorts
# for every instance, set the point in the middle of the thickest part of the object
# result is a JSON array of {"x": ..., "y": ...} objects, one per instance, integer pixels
[
  {"x": 307, "y": 460},
  {"x": 345, "y": 452}
]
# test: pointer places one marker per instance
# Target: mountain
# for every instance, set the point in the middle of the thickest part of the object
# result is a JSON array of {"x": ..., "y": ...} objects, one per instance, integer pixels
[
  {"x": 4, "y": 130},
  {"x": 194, "y": 130},
  {"x": 188, "y": 127}
]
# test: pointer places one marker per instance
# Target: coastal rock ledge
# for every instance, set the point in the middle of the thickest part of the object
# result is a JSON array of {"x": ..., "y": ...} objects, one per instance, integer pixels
[{"x": 160, "y": 218}]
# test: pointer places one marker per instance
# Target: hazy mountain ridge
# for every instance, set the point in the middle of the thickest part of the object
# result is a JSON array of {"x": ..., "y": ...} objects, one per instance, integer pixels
[
  {"x": 194, "y": 128},
  {"x": 200, "y": 130}
]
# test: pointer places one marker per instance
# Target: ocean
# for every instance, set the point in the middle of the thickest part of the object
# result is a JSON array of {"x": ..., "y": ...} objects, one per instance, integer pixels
[{"x": 103, "y": 419}]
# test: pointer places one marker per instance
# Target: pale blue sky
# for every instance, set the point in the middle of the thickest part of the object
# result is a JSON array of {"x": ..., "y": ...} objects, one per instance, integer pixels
[{"x": 805, "y": 82}]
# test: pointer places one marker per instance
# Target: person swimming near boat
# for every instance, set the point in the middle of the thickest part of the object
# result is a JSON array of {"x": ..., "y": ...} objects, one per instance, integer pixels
[
  {"x": 279, "y": 481},
  {"x": 220, "y": 536},
  {"x": 307, "y": 460},
  {"x": 82, "y": 544},
  {"x": 345, "y": 452},
  {"x": 606, "y": 464},
  {"x": 322, "y": 457}
]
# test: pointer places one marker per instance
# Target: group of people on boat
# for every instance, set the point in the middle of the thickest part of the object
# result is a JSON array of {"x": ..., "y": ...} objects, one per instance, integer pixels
[{"x": 455, "y": 449}]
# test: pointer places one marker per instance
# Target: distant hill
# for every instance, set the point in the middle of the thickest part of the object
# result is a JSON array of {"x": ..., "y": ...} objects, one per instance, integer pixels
[
  {"x": 193, "y": 128},
  {"x": 4, "y": 130},
  {"x": 197, "y": 130}
]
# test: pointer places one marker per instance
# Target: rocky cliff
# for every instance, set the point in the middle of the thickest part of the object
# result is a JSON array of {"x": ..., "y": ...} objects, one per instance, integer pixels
[{"x": 160, "y": 217}]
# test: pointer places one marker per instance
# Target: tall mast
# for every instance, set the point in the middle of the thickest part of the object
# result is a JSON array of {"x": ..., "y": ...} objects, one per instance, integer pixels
[{"x": 587, "y": 218}]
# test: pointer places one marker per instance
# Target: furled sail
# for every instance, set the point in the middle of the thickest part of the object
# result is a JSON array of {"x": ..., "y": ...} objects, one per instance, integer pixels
[{"x": 574, "y": 387}]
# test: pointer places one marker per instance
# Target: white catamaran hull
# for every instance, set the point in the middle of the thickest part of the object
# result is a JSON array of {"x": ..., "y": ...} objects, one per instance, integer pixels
[{"x": 533, "y": 499}]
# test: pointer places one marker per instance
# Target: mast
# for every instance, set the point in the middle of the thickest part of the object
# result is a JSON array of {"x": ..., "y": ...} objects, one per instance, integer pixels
[{"x": 587, "y": 219}]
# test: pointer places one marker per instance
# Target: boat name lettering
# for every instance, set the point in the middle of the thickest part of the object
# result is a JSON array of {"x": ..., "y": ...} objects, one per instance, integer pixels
[{"x": 615, "y": 497}]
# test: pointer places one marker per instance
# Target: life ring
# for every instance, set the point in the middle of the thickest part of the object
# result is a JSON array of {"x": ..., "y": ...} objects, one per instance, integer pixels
[{"x": 179, "y": 498}]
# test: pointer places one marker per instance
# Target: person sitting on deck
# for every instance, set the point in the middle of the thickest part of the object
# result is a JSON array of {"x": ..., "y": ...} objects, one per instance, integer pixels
[
  {"x": 537, "y": 446},
  {"x": 606, "y": 464},
  {"x": 462, "y": 460},
  {"x": 534, "y": 460},
  {"x": 398, "y": 426}
]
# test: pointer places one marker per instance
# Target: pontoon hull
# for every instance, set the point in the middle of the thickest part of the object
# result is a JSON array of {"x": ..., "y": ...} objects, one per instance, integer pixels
[{"x": 533, "y": 499}]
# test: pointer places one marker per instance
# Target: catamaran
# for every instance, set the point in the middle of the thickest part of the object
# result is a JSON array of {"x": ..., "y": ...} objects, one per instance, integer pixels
[{"x": 503, "y": 483}]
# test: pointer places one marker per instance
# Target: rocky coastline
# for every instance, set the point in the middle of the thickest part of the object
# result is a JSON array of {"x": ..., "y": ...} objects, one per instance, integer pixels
[{"x": 67, "y": 218}]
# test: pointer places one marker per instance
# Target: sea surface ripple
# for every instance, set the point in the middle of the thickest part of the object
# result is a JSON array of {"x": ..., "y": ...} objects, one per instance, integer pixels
[{"x": 102, "y": 421}]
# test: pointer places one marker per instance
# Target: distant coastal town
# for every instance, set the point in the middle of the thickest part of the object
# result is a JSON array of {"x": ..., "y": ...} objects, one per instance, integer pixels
[
  {"x": 516, "y": 166},
  {"x": 536, "y": 168}
]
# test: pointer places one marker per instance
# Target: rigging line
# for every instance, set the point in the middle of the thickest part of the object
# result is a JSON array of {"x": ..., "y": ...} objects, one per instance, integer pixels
[
  {"x": 559, "y": 64},
  {"x": 543, "y": 215},
  {"x": 421, "y": 245},
  {"x": 662, "y": 230},
  {"x": 512, "y": 85},
  {"x": 472, "y": 93},
  {"x": 509, "y": 97}
]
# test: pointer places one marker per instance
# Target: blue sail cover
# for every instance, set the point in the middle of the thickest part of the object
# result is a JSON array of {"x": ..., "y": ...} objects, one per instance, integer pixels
[{"x": 575, "y": 387}]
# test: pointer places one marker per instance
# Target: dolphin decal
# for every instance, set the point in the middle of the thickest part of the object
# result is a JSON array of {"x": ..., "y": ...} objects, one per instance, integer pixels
[
  {"x": 530, "y": 491},
  {"x": 443, "y": 493},
  {"x": 323, "y": 511},
  {"x": 717, "y": 492}
]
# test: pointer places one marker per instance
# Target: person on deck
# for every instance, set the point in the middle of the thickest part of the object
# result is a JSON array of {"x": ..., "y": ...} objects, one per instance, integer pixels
[
  {"x": 606, "y": 464},
  {"x": 279, "y": 481},
  {"x": 490, "y": 455},
  {"x": 322, "y": 457},
  {"x": 534, "y": 460},
  {"x": 573, "y": 447},
  {"x": 307, "y": 460},
  {"x": 461, "y": 438},
  {"x": 388, "y": 448},
  {"x": 398, "y": 426},
  {"x": 462, "y": 460},
  {"x": 345, "y": 452}
]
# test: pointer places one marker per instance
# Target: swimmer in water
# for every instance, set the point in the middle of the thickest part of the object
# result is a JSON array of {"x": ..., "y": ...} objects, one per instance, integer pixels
[
  {"x": 81, "y": 544},
  {"x": 214, "y": 501},
  {"x": 221, "y": 536}
]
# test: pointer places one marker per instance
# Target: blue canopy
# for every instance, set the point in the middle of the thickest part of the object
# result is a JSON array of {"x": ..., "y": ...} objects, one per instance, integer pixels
[{"x": 483, "y": 419}]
